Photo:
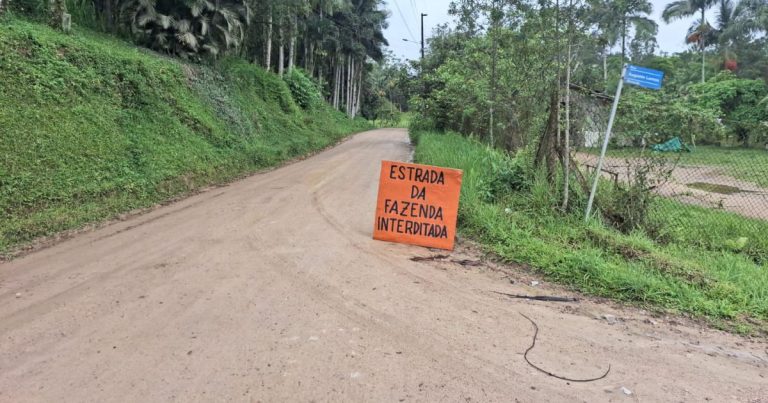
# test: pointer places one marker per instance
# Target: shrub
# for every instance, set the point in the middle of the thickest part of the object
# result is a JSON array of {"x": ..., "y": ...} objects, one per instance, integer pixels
[
  {"x": 628, "y": 205},
  {"x": 656, "y": 118},
  {"x": 269, "y": 86},
  {"x": 737, "y": 102},
  {"x": 305, "y": 92}
]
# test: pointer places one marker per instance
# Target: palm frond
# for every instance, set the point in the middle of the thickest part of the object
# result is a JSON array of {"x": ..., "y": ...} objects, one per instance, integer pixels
[
  {"x": 188, "y": 39},
  {"x": 678, "y": 10}
]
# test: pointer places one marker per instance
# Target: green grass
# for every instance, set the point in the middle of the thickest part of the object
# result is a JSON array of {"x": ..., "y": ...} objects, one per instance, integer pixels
[
  {"x": 402, "y": 121},
  {"x": 92, "y": 127},
  {"x": 747, "y": 164},
  {"x": 697, "y": 270}
]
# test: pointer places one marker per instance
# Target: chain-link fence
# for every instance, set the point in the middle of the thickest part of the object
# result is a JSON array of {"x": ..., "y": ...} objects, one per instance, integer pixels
[
  {"x": 731, "y": 180},
  {"x": 712, "y": 195}
]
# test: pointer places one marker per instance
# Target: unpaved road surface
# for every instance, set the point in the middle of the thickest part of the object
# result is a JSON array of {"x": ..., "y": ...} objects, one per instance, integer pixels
[{"x": 271, "y": 289}]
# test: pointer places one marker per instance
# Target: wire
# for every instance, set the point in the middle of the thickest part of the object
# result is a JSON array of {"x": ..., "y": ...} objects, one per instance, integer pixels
[
  {"x": 535, "y": 335},
  {"x": 415, "y": 9},
  {"x": 399, "y": 11}
]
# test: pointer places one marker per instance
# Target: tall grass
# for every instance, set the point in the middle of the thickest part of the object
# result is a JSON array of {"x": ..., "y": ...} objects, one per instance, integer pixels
[{"x": 694, "y": 271}]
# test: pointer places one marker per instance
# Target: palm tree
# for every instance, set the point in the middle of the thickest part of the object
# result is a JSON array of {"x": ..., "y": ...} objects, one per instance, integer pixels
[
  {"x": 187, "y": 29},
  {"x": 603, "y": 15},
  {"x": 724, "y": 34},
  {"x": 687, "y": 8},
  {"x": 634, "y": 13},
  {"x": 751, "y": 16},
  {"x": 614, "y": 20}
]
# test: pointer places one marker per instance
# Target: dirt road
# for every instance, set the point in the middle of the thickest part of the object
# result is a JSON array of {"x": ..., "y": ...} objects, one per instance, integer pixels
[{"x": 271, "y": 289}]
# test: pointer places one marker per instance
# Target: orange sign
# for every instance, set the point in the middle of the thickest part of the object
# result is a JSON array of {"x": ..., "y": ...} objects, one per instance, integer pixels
[{"x": 417, "y": 205}]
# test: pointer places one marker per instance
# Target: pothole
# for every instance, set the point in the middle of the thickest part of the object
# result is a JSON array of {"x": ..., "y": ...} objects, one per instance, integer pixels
[{"x": 714, "y": 188}]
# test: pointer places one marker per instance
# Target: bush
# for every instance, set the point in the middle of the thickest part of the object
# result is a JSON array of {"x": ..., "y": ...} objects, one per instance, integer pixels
[
  {"x": 508, "y": 175},
  {"x": 30, "y": 8},
  {"x": 269, "y": 86},
  {"x": 419, "y": 124},
  {"x": 738, "y": 102},
  {"x": 655, "y": 118},
  {"x": 305, "y": 92}
]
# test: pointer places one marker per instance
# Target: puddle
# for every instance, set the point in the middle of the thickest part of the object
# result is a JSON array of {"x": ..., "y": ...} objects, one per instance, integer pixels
[{"x": 714, "y": 188}]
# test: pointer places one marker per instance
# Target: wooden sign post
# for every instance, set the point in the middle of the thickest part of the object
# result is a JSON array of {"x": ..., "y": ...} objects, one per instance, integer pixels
[{"x": 417, "y": 204}]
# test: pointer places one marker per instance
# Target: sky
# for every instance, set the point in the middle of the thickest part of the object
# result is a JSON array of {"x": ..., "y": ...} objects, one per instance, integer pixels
[{"x": 404, "y": 24}]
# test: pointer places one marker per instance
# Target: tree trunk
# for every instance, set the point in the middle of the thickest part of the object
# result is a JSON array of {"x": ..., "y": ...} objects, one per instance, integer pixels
[
  {"x": 494, "y": 56},
  {"x": 321, "y": 78},
  {"x": 58, "y": 8},
  {"x": 268, "y": 47},
  {"x": 359, "y": 102},
  {"x": 567, "y": 140},
  {"x": 334, "y": 92},
  {"x": 623, "y": 40},
  {"x": 547, "y": 150},
  {"x": 339, "y": 80},
  {"x": 292, "y": 44},
  {"x": 110, "y": 17},
  {"x": 354, "y": 92},
  {"x": 605, "y": 67},
  {"x": 281, "y": 53},
  {"x": 353, "y": 110},
  {"x": 337, "y": 83},
  {"x": 348, "y": 97},
  {"x": 703, "y": 54},
  {"x": 311, "y": 64}
]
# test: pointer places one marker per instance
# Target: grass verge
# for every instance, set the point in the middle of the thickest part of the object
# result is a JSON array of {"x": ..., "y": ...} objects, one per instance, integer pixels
[{"x": 694, "y": 271}]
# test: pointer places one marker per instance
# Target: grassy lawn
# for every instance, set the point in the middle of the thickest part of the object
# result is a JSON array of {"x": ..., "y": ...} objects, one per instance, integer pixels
[
  {"x": 697, "y": 270},
  {"x": 747, "y": 164}
]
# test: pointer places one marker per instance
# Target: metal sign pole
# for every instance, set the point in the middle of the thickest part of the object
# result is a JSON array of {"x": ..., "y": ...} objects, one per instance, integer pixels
[{"x": 599, "y": 168}]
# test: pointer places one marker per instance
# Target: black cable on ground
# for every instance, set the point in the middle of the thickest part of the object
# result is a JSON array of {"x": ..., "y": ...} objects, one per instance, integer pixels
[{"x": 535, "y": 335}]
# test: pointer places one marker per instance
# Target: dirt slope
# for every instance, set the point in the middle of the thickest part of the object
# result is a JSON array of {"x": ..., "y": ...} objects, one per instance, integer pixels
[{"x": 272, "y": 290}]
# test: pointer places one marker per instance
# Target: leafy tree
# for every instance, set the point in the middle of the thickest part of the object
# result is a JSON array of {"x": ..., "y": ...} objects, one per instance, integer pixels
[{"x": 737, "y": 102}]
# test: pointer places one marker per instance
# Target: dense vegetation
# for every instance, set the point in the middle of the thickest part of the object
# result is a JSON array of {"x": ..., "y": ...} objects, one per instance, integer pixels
[
  {"x": 539, "y": 77},
  {"x": 698, "y": 270},
  {"x": 92, "y": 126},
  {"x": 333, "y": 41},
  {"x": 524, "y": 82},
  {"x": 489, "y": 79}
]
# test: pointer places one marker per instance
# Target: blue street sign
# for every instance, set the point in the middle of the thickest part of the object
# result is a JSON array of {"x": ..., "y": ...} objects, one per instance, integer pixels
[{"x": 643, "y": 77}]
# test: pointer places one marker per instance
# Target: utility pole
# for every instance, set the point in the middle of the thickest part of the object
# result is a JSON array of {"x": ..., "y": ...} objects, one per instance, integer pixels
[{"x": 422, "y": 36}]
